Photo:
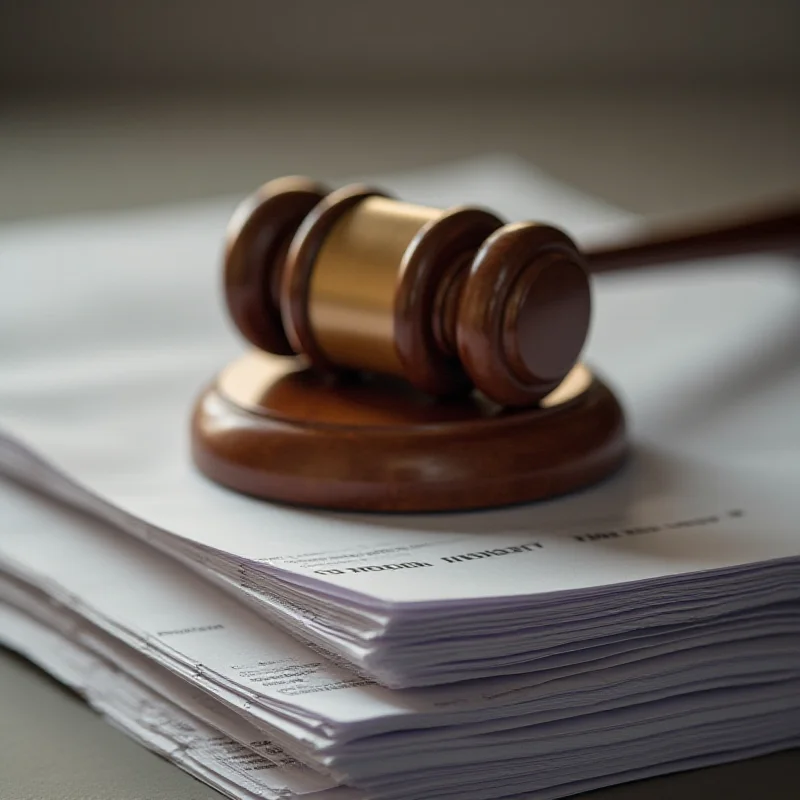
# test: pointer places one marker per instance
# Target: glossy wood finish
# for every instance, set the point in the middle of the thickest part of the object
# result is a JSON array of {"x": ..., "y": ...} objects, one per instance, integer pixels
[
  {"x": 257, "y": 240},
  {"x": 763, "y": 230},
  {"x": 524, "y": 314},
  {"x": 428, "y": 300},
  {"x": 366, "y": 282},
  {"x": 444, "y": 359},
  {"x": 272, "y": 428}
]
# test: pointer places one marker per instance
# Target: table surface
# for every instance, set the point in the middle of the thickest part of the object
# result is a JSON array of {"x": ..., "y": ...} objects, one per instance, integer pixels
[{"x": 656, "y": 152}]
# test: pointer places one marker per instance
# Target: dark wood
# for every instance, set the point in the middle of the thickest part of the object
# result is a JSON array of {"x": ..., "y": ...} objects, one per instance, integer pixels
[
  {"x": 487, "y": 322},
  {"x": 428, "y": 297},
  {"x": 511, "y": 329},
  {"x": 257, "y": 241},
  {"x": 524, "y": 314},
  {"x": 457, "y": 317},
  {"x": 272, "y": 428},
  {"x": 773, "y": 230}
]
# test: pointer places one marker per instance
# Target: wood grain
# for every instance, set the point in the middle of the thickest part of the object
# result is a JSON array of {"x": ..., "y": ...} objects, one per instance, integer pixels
[
  {"x": 272, "y": 428},
  {"x": 479, "y": 401}
]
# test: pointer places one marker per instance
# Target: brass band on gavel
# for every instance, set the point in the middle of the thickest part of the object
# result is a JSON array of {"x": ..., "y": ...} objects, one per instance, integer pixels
[
  {"x": 351, "y": 299},
  {"x": 450, "y": 300}
]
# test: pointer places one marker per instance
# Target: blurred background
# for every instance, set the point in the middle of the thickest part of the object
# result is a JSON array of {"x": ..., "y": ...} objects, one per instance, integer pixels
[{"x": 660, "y": 107}]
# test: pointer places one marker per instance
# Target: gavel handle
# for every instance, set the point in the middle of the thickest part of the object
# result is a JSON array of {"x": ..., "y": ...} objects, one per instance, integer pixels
[{"x": 775, "y": 231}]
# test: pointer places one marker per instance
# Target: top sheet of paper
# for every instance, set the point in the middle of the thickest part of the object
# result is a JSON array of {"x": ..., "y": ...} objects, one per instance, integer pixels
[{"x": 109, "y": 327}]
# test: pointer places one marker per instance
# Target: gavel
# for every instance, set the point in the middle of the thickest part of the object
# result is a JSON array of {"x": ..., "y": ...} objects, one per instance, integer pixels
[{"x": 451, "y": 300}]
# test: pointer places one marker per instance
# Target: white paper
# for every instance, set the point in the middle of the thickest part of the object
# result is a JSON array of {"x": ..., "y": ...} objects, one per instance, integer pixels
[
  {"x": 235, "y": 769},
  {"x": 121, "y": 321},
  {"x": 126, "y": 349},
  {"x": 655, "y": 615},
  {"x": 306, "y": 704}
]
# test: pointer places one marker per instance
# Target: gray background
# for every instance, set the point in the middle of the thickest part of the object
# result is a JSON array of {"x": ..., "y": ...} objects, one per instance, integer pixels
[
  {"x": 153, "y": 44},
  {"x": 662, "y": 108}
]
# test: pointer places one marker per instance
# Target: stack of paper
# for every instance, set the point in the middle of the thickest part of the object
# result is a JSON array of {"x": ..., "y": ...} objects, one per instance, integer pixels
[{"x": 648, "y": 625}]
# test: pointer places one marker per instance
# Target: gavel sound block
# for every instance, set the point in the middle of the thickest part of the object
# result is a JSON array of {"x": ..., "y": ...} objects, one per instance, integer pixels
[
  {"x": 405, "y": 358},
  {"x": 408, "y": 358}
]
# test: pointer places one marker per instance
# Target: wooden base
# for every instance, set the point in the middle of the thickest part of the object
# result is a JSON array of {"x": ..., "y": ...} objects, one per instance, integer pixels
[{"x": 271, "y": 427}]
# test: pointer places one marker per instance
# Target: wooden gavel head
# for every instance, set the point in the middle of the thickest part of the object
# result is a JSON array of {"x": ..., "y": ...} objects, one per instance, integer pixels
[{"x": 450, "y": 300}]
